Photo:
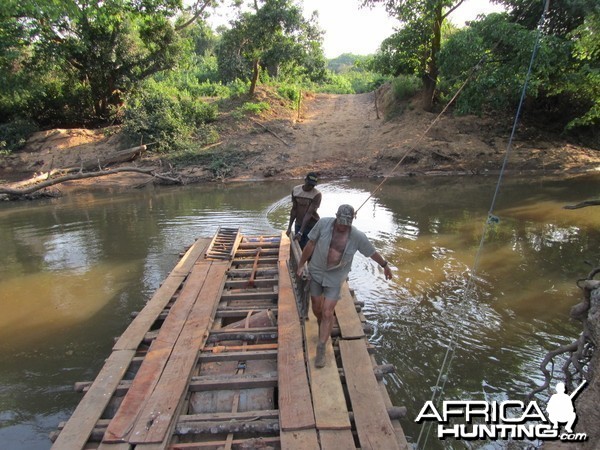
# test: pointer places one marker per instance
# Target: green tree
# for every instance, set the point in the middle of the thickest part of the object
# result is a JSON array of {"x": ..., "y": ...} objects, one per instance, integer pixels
[
  {"x": 423, "y": 21},
  {"x": 561, "y": 18},
  {"x": 403, "y": 53},
  {"x": 107, "y": 47},
  {"x": 500, "y": 75},
  {"x": 573, "y": 91},
  {"x": 272, "y": 36},
  {"x": 564, "y": 87}
]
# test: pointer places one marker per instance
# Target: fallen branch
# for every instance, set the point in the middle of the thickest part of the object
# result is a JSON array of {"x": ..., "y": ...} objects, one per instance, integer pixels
[
  {"x": 583, "y": 204},
  {"x": 272, "y": 132},
  {"x": 77, "y": 176},
  {"x": 117, "y": 157}
]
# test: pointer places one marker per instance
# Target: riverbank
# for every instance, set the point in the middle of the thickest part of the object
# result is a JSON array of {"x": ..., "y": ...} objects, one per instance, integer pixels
[{"x": 338, "y": 136}]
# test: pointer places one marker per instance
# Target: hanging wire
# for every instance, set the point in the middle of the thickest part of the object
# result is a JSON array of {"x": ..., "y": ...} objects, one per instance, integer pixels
[
  {"x": 410, "y": 149},
  {"x": 474, "y": 69},
  {"x": 440, "y": 385}
]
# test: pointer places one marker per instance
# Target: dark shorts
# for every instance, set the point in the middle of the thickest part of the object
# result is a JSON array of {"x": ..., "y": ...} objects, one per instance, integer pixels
[{"x": 304, "y": 239}]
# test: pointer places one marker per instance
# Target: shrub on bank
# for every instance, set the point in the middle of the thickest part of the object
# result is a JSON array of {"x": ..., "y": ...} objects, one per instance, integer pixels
[
  {"x": 13, "y": 135},
  {"x": 168, "y": 118}
]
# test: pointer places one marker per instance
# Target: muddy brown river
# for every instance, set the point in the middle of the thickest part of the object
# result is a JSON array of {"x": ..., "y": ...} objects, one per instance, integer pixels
[{"x": 73, "y": 269}]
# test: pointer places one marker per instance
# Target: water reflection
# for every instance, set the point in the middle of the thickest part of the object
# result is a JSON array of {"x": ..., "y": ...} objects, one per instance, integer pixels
[{"x": 73, "y": 269}]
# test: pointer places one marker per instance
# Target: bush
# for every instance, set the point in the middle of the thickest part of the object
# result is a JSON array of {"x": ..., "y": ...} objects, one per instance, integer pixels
[
  {"x": 13, "y": 135},
  {"x": 405, "y": 86},
  {"x": 335, "y": 84},
  {"x": 289, "y": 92},
  {"x": 171, "y": 119},
  {"x": 208, "y": 89},
  {"x": 238, "y": 87},
  {"x": 255, "y": 108}
]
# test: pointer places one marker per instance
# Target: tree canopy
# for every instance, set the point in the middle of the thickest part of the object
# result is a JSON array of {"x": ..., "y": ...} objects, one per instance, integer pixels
[
  {"x": 79, "y": 62},
  {"x": 273, "y": 36},
  {"x": 421, "y": 37},
  {"x": 94, "y": 50}
]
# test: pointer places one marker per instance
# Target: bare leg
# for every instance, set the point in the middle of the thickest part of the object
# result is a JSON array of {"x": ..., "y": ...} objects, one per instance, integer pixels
[
  {"x": 317, "y": 306},
  {"x": 323, "y": 309},
  {"x": 326, "y": 320}
]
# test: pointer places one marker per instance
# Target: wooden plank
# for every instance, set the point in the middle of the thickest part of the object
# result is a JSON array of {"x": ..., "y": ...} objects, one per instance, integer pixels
[
  {"x": 295, "y": 405},
  {"x": 264, "y": 295},
  {"x": 400, "y": 436},
  {"x": 299, "y": 439},
  {"x": 347, "y": 318},
  {"x": 328, "y": 399},
  {"x": 224, "y": 416},
  {"x": 262, "y": 262},
  {"x": 156, "y": 358},
  {"x": 157, "y": 416},
  {"x": 114, "y": 446},
  {"x": 251, "y": 253},
  {"x": 238, "y": 356},
  {"x": 257, "y": 282},
  {"x": 237, "y": 348},
  {"x": 262, "y": 442},
  {"x": 245, "y": 273},
  {"x": 336, "y": 439},
  {"x": 373, "y": 424},
  {"x": 209, "y": 382},
  {"x": 258, "y": 330},
  {"x": 79, "y": 427},
  {"x": 135, "y": 332},
  {"x": 250, "y": 335},
  {"x": 185, "y": 264},
  {"x": 241, "y": 313}
]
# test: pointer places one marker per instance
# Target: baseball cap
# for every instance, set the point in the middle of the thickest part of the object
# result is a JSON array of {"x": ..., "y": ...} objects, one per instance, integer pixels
[
  {"x": 311, "y": 178},
  {"x": 345, "y": 215}
]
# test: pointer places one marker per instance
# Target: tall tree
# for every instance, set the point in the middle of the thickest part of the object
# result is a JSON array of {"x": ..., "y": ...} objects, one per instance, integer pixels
[
  {"x": 275, "y": 33},
  {"x": 426, "y": 17},
  {"x": 108, "y": 45}
]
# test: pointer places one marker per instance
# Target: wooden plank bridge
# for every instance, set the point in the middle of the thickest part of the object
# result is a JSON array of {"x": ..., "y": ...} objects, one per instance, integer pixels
[{"x": 222, "y": 358}]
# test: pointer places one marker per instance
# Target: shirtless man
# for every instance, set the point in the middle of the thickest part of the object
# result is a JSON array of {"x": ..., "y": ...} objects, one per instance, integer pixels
[
  {"x": 306, "y": 199},
  {"x": 331, "y": 248}
]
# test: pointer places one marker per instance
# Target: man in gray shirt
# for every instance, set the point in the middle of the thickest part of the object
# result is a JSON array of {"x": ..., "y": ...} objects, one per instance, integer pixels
[{"x": 330, "y": 249}]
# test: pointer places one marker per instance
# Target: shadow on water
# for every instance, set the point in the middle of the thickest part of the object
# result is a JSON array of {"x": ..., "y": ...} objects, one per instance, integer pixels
[{"x": 73, "y": 269}]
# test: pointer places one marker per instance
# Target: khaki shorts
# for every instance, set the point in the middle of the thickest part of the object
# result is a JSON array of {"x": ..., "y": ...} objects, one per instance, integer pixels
[{"x": 330, "y": 292}]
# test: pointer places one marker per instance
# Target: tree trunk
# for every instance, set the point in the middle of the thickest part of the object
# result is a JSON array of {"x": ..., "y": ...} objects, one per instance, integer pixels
[
  {"x": 432, "y": 72},
  {"x": 255, "y": 72}
]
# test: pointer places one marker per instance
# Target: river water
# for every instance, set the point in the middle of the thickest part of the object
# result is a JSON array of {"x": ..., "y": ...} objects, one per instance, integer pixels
[{"x": 72, "y": 270}]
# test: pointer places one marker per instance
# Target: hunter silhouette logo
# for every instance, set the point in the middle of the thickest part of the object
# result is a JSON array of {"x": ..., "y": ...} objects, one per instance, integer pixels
[
  {"x": 560, "y": 407},
  {"x": 510, "y": 419}
]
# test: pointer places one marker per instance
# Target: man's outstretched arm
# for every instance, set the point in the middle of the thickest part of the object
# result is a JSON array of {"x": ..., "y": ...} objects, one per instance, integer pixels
[{"x": 383, "y": 263}]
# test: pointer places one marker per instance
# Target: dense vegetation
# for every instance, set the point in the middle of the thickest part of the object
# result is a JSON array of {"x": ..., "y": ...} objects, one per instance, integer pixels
[{"x": 156, "y": 66}]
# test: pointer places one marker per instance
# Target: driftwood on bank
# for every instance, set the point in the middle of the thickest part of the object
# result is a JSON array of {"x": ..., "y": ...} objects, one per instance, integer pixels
[
  {"x": 90, "y": 164},
  {"x": 58, "y": 176},
  {"x": 583, "y": 204},
  {"x": 118, "y": 157},
  {"x": 75, "y": 176}
]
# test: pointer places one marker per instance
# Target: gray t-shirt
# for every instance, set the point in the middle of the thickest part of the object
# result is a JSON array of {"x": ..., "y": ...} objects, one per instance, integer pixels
[{"x": 321, "y": 234}]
